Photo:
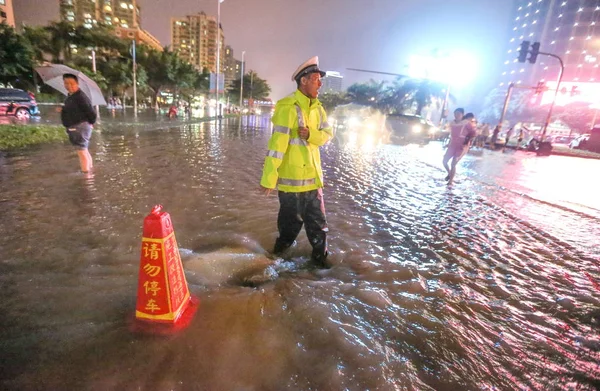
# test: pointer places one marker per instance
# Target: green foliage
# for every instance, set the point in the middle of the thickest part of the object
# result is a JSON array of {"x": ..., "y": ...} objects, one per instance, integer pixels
[
  {"x": 254, "y": 87},
  {"x": 16, "y": 55},
  {"x": 331, "y": 100},
  {"x": 62, "y": 42},
  {"x": 404, "y": 94},
  {"x": 18, "y": 136}
]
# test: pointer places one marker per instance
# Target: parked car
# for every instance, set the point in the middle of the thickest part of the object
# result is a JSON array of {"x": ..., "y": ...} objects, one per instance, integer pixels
[
  {"x": 18, "y": 103},
  {"x": 562, "y": 142},
  {"x": 579, "y": 142},
  {"x": 406, "y": 128}
]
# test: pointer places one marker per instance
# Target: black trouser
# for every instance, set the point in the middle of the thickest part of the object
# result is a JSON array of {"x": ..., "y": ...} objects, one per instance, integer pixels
[{"x": 296, "y": 209}]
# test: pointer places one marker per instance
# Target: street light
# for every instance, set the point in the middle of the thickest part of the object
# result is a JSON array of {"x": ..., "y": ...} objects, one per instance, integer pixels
[
  {"x": 218, "y": 52},
  {"x": 242, "y": 82}
]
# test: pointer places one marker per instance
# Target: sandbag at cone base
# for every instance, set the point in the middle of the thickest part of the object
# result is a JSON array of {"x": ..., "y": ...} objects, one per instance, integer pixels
[{"x": 163, "y": 295}]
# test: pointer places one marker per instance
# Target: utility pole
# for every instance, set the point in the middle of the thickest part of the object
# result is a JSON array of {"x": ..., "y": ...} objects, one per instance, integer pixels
[
  {"x": 218, "y": 54},
  {"x": 242, "y": 83},
  {"x": 94, "y": 70},
  {"x": 135, "y": 111}
]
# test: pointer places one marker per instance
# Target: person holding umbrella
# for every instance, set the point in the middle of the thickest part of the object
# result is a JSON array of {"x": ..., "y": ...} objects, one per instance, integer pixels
[{"x": 78, "y": 116}]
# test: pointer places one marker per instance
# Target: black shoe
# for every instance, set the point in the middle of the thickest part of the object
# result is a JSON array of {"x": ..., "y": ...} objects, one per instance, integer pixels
[
  {"x": 320, "y": 260},
  {"x": 281, "y": 249}
]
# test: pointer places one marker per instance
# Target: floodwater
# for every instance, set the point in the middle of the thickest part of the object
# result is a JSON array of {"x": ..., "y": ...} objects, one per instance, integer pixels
[{"x": 492, "y": 284}]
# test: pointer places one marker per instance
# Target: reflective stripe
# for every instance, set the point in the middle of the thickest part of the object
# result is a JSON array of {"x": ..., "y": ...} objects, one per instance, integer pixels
[
  {"x": 296, "y": 182},
  {"x": 297, "y": 141},
  {"x": 275, "y": 154},
  {"x": 325, "y": 125},
  {"x": 281, "y": 129},
  {"x": 300, "y": 116}
]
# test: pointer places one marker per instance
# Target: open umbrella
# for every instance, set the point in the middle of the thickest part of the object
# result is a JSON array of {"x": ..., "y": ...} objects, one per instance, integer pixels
[{"x": 52, "y": 74}]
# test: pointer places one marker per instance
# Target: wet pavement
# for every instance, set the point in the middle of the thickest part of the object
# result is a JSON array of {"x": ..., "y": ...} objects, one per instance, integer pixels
[{"x": 493, "y": 283}]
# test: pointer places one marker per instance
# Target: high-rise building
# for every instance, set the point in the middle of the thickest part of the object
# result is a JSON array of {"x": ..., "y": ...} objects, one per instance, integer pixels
[
  {"x": 238, "y": 68},
  {"x": 229, "y": 67},
  {"x": 194, "y": 37},
  {"x": 332, "y": 82},
  {"x": 567, "y": 28},
  {"x": 124, "y": 15},
  {"x": 7, "y": 14}
]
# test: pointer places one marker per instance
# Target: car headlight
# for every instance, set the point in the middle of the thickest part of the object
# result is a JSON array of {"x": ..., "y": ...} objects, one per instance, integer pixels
[{"x": 417, "y": 128}]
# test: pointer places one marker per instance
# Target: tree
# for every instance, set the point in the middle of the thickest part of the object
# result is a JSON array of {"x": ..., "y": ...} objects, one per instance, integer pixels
[
  {"x": 16, "y": 56},
  {"x": 519, "y": 107},
  {"x": 254, "y": 87},
  {"x": 330, "y": 100},
  {"x": 370, "y": 94},
  {"x": 61, "y": 35}
]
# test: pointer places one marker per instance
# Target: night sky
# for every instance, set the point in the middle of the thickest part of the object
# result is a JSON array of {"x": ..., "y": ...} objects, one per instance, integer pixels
[{"x": 278, "y": 35}]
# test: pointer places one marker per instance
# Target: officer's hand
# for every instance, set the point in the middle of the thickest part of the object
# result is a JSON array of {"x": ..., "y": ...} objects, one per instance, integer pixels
[
  {"x": 304, "y": 133},
  {"x": 266, "y": 191}
]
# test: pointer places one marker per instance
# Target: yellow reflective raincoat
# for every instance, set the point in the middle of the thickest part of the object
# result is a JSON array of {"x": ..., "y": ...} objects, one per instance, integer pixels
[{"x": 292, "y": 164}]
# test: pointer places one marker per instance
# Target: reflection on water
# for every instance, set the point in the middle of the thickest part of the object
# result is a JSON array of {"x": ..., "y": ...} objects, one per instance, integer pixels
[{"x": 490, "y": 284}]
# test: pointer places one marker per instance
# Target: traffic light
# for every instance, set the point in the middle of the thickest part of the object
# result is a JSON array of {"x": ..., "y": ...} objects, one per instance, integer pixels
[
  {"x": 541, "y": 87},
  {"x": 535, "y": 50},
  {"x": 574, "y": 91},
  {"x": 523, "y": 51}
]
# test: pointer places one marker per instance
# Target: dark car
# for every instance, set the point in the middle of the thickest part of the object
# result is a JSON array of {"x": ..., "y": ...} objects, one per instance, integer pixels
[
  {"x": 406, "y": 128},
  {"x": 17, "y": 103}
]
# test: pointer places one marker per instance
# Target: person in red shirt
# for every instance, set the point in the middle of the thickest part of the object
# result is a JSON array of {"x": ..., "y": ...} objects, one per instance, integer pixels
[{"x": 462, "y": 132}]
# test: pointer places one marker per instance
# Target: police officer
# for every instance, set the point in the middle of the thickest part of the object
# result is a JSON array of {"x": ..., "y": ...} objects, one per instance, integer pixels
[{"x": 293, "y": 163}]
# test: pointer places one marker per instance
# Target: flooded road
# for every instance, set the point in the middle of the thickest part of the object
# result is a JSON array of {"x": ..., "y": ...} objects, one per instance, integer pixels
[{"x": 491, "y": 284}]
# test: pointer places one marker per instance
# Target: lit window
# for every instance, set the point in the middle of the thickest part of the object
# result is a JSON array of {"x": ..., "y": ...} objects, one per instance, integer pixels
[
  {"x": 537, "y": 11},
  {"x": 515, "y": 29},
  {"x": 580, "y": 9},
  {"x": 520, "y": 8},
  {"x": 510, "y": 51},
  {"x": 572, "y": 38},
  {"x": 589, "y": 37},
  {"x": 560, "y": 16},
  {"x": 517, "y": 18},
  {"x": 503, "y": 73},
  {"x": 130, "y": 6},
  {"x": 529, "y": 5},
  {"x": 526, "y": 15},
  {"x": 593, "y": 24},
  {"x": 545, "y": 68},
  {"x": 511, "y": 72},
  {"x": 524, "y": 25},
  {"x": 567, "y": 52},
  {"x": 521, "y": 37},
  {"x": 531, "y": 35},
  {"x": 563, "y": 4},
  {"x": 124, "y": 5},
  {"x": 501, "y": 84},
  {"x": 522, "y": 70},
  {"x": 552, "y": 43},
  {"x": 556, "y": 29},
  {"x": 576, "y": 24},
  {"x": 515, "y": 60},
  {"x": 512, "y": 40},
  {"x": 519, "y": 82},
  {"x": 506, "y": 62}
]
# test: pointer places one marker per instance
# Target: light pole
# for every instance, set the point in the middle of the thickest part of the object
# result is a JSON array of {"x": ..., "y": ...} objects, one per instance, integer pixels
[
  {"x": 134, "y": 83},
  {"x": 218, "y": 53},
  {"x": 242, "y": 82},
  {"x": 94, "y": 70}
]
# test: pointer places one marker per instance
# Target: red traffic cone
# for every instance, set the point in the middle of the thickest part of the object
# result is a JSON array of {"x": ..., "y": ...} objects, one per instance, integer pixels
[{"x": 164, "y": 304}]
